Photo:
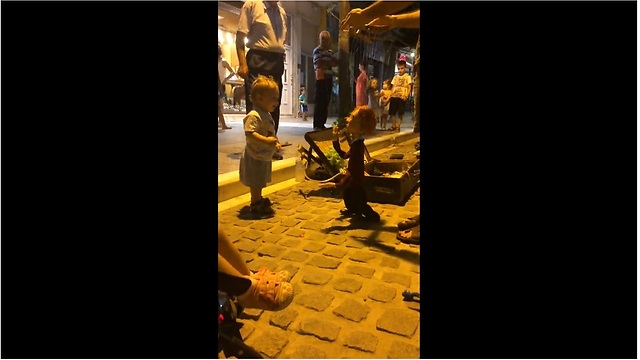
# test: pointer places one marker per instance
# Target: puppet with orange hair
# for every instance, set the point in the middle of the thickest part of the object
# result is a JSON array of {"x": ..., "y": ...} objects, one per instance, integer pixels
[{"x": 360, "y": 122}]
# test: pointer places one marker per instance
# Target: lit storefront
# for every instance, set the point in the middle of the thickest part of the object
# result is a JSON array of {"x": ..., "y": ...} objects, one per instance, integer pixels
[{"x": 233, "y": 98}]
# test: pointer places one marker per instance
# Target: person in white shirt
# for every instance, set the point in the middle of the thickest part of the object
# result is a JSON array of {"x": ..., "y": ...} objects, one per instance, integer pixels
[
  {"x": 223, "y": 67},
  {"x": 221, "y": 123},
  {"x": 400, "y": 93},
  {"x": 263, "y": 23}
]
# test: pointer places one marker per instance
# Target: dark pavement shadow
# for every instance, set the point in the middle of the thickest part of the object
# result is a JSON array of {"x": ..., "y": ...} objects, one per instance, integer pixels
[
  {"x": 323, "y": 192},
  {"x": 371, "y": 240}
]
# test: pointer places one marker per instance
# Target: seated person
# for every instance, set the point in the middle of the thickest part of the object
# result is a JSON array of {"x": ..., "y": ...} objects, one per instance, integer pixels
[
  {"x": 409, "y": 230},
  {"x": 262, "y": 290}
]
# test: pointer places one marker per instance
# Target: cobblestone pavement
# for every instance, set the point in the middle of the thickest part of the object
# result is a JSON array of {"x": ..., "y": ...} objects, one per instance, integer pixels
[{"x": 347, "y": 277}]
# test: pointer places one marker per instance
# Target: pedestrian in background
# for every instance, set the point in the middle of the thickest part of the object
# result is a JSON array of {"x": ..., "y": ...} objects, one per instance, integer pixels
[
  {"x": 323, "y": 61},
  {"x": 223, "y": 67},
  {"x": 361, "y": 85},
  {"x": 259, "y": 129},
  {"x": 221, "y": 123},
  {"x": 400, "y": 93},
  {"x": 376, "y": 18},
  {"x": 263, "y": 23},
  {"x": 374, "y": 98},
  {"x": 302, "y": 99},
  {"x": 385, "y": 98}
]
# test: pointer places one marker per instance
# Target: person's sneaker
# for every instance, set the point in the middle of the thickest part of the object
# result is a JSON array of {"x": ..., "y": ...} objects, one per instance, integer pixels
[{"x": 277, "y": 156}]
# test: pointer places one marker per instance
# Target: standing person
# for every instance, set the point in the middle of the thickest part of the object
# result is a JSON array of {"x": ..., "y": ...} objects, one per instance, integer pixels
[
  {"x": 361, "y": 85},
  {"x": 221, "y": 122},
  {"x": 401, "y": 88},
  {"x": 360, "y": 122},
  {"x": 385, "y": 98},
  {"x": 374, "y": 99},
  {"x": 302, "y": 99},
  {"x": 259, "y": 129},
  {"x": 263, "y": 23},
  {"x": 323, "y": 61},
  {"x": 376, "y": 16},
  {"x": 223, "y": 67}
]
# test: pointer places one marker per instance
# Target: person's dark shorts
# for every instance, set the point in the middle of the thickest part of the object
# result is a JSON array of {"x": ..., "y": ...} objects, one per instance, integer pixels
[
  {"x": 304, "y": 108},
  {"x": 396, "y": 106}
]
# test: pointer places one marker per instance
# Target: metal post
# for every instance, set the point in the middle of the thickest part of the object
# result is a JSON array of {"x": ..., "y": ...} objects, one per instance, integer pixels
[{"x": 344, "y": 70}]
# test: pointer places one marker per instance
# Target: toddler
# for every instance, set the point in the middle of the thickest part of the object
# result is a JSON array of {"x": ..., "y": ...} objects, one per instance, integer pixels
[
  {"x": 385, "y": 97},
  {"x": 361, "y": 121},
  {"x": 262, "y": 143},
  {"x": 302, "y": 99},
  {"x": 374, "y": 98}
]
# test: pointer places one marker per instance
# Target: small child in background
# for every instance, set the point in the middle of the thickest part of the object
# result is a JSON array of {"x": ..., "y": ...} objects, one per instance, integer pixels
[
  {"x": 304, "y": 108},
  {"x": 385, "y": 98},
  {"x": 262, "y": 143},
  {"x": 374, "y": 98},
  {"x": 360, "y": 122}
]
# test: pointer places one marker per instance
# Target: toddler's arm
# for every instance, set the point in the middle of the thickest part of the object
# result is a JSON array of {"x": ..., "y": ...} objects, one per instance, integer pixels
[{"x": 265, "y": 139}]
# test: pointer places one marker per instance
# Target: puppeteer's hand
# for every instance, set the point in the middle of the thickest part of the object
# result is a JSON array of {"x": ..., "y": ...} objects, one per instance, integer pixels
[
  {"x": 354, "y": 19},
  {"x": 278, "y": 146},
  {"x": 381, "y": 24}
]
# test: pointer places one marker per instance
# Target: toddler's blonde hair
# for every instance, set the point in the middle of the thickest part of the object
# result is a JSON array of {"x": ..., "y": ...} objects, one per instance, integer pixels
[{"x": 262, "y": 85}]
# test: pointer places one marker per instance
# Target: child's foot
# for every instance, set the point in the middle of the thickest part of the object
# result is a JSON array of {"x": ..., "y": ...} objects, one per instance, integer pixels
[
  {"x": 261, "y": 209},
  {"x": 264, "y": 200}
]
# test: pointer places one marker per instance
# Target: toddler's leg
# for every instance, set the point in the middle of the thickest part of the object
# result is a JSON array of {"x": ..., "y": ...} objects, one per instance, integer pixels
[{"x": 256, "y": 195}]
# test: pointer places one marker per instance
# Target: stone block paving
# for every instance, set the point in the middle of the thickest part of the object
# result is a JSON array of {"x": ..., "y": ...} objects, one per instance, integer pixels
[{"x": 347, "y": 277}]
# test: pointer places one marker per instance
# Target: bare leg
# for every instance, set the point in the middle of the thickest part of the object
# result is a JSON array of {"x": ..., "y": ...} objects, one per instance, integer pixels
[
  {"x": 229, "y": 257},
  {"x": 221, "y": 121},
  {"x": 225, "y": 267},
  {"x": 399, "y": 122}
]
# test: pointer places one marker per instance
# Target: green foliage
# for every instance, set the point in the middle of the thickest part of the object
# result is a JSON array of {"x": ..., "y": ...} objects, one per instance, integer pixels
[{"x": 334, "y": 159}]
